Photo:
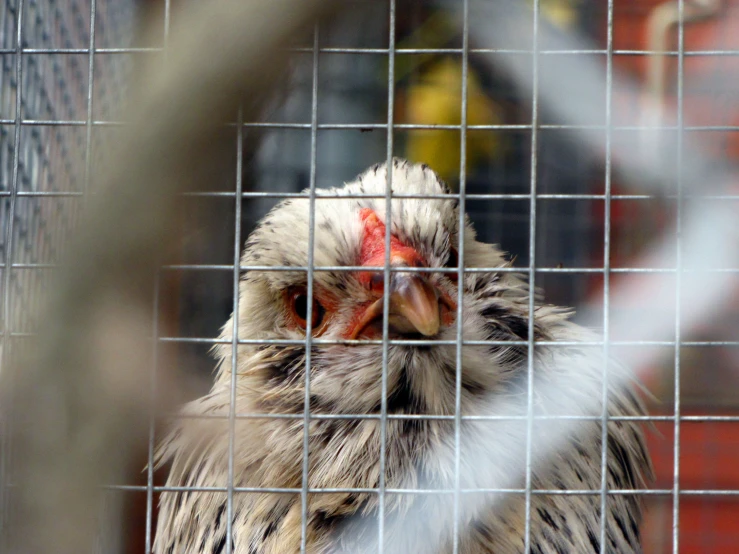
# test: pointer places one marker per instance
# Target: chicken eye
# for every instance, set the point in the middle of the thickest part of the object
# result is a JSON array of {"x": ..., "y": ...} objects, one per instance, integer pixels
[
  {"x": 297, "y": 298},
  {"x": 452, "y": 262},
  {"x": 377, "y": 282}
]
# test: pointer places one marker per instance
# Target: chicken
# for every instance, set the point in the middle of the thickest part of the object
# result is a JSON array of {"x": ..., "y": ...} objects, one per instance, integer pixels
[{"x": 345, "y": 378}]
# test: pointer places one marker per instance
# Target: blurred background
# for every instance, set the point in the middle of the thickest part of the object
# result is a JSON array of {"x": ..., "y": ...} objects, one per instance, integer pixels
[{"x": 74, "y": 81}]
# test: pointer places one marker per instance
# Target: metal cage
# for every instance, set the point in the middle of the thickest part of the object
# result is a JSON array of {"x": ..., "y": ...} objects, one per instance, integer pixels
[{"x": 571, "y": 221}]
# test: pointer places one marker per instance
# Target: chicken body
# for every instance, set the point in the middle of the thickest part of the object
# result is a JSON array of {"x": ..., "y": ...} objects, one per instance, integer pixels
[{"x": 346, "y": 379}]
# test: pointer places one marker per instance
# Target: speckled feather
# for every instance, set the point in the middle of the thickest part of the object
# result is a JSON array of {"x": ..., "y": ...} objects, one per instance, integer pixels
[{"x": 421, "y": 380}]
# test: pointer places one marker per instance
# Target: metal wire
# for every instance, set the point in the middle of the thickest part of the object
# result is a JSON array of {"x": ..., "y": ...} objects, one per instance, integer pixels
[
  {"x": 386, "y": 274},
  {"x": 344, "y": 268},
  {"x": 304, "y": 499},
  {"x": 678, "y": 280},
  {"x": 90, "y": 86},
  {"x": 152, "y": 420},
  {"x": 150, "y": 513},
  {"x": 404, "y": 51},
  {"x": 562, "y": 196},
  {"x": 9, "y": 253},
  {"x": 234, "y": 344},
  {"x": 460, "y": 274},
  {"x": 430, "y": 417},
  {"x": 422, "y": 342},
  {"x": 365, "y": 127},
  {"x": 530, "y": 347},
  {"x": 437, "y": 491},
  {"x": 606, "y": 287}
]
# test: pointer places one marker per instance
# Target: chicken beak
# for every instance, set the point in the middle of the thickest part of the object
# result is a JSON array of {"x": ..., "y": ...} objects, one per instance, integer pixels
[
  {"x": 414, "y": 306},
  {"x": 415, "y": 300}
]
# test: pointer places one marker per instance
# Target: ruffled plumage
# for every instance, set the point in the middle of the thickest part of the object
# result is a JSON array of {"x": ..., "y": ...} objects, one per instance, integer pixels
[{"x": 345, "y": 453}]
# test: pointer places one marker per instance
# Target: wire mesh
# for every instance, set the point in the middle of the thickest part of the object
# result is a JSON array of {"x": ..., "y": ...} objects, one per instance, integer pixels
[
  {"x": 48, "y": 76},
  {"x": 568, "y": 218}
]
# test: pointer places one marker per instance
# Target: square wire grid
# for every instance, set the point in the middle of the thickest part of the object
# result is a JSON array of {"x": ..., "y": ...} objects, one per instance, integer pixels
[
  {"x": 46, "y": 224},
  {"x": 50, "y": 87}
]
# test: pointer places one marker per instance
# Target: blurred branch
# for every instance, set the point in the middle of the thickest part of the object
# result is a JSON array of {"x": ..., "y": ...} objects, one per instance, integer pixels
[{"x": 78, "y": 404}]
